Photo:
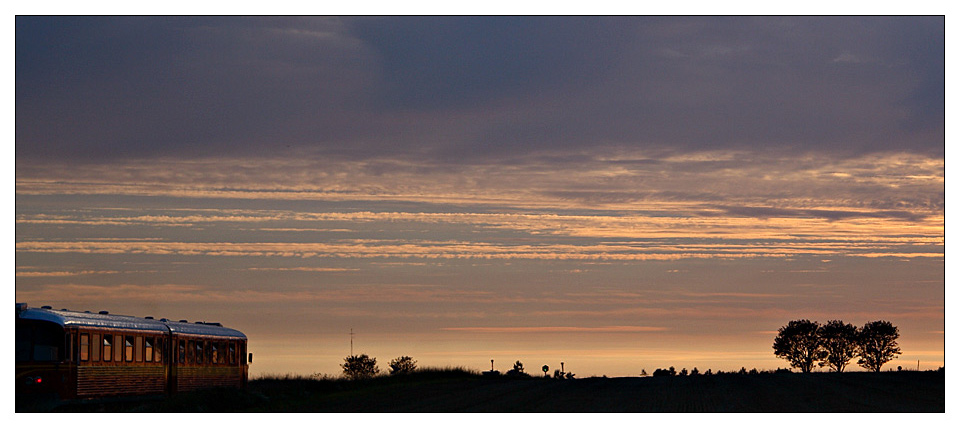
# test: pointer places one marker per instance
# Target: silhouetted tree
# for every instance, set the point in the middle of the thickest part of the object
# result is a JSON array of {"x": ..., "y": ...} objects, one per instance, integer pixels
[
  {"x": 694, "y": 372},
  {"x": 570, "y": 375},
  {"x": 359, "y": 367},
  {"x": 754, "y": 371},
  {"x": 743, "y": 370},
  {"x": 708, "y": 372},
  {"x": 878, "y": 344},
  {"x": 800, "y": 344},
  {"x": 402, "y": 365},
  {"x": 673, "y": 371},
  {"x": 643, "y": 372},
  {"x": 840, "y": 344},
  {"x": 517, "y": 370},
  {"x": 683, "y": 371}
]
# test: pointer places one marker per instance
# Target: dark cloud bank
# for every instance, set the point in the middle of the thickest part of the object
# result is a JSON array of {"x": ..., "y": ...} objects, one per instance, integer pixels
[{"x": 473, "y": 88}]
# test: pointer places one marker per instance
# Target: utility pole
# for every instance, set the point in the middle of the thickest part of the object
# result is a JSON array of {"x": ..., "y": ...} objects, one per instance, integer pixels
[{"x": 351, "y": 342}]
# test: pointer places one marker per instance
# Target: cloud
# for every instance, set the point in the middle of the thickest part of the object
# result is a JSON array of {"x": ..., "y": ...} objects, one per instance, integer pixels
[
  {"x": 37, "y": 274},
  {"x": 604, "y": 329},
  {"x": 459, "y": 89},
  {"x": 303, "y": 269},
  {"x": 767, "y": 212}
]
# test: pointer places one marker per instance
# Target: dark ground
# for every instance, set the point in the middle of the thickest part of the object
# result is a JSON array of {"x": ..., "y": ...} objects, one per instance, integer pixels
[{"x": 455, "y": 391}]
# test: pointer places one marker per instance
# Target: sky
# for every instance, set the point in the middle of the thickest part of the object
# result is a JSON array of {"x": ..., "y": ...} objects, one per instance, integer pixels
[{"x": 618, "y": 193}]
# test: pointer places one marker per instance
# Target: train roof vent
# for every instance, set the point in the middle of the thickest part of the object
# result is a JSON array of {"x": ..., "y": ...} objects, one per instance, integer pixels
[
  {"x": 46, "y": 307},
  {"x": 86, "y": 312},
  {"x": 199, "y": 322},
  {"x": 184, "y": 321},
  {"x": 64, "y": 309},
  {"x": 164, "y": 319},
  {"x": 214, "y": 323},
  {"x": 104, "y": 313},
  {"x": 148, "y": 318}
]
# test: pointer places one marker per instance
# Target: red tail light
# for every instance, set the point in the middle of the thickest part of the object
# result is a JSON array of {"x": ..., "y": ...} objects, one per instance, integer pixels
[{"x": 38, "y": 379}]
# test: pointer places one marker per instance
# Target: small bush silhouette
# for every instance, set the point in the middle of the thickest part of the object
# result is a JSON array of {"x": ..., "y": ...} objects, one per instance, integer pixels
[
  {"x": 517, "y": 370},
  {"x": 665, "y": 372},
  {"x": 359, "y": 367},
  {"x": 402, "y": 365}
]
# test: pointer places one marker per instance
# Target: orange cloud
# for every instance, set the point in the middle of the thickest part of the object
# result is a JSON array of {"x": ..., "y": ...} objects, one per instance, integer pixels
[{"x": 605, "y": 329}]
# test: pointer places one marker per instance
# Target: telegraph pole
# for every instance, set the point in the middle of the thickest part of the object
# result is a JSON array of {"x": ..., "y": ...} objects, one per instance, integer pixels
[{"x": 351, "y": 342}]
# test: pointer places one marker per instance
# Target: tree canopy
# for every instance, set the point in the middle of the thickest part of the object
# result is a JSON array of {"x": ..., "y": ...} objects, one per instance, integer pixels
[
  {"x": 878, "y": 344},
  {"x": 799, "y": 343},
  {"x": 840, "y": 344}
]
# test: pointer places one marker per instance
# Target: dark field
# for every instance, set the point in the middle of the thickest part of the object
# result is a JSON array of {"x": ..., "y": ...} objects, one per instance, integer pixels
[{"x": 457, "y": 391}]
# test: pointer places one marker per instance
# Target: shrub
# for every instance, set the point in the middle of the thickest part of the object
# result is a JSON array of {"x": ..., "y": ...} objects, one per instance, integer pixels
[
  {"x": 402, "y": 365},
  {"x": 517, "y": 370},
  {"x": 359, "y": 367}
]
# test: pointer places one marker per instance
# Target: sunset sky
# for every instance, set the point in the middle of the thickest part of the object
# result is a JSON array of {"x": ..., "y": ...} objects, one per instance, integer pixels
[{"x": 618, "y": 193}]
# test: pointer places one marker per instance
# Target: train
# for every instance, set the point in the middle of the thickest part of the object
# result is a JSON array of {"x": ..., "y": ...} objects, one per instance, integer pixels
[{"x": 74, "y": 355}]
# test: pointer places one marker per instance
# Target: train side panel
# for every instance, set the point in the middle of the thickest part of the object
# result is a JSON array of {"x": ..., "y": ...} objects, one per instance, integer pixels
[{"x": 73, "y": 355}]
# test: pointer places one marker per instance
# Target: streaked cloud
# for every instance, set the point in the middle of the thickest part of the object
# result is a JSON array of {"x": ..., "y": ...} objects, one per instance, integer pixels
[
  {"x": 604, "y": 329},
  {"x": 33, "y": 274}
]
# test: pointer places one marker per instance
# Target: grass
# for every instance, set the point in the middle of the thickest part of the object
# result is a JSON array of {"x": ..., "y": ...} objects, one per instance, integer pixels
[{"x": 456, "y": 389}]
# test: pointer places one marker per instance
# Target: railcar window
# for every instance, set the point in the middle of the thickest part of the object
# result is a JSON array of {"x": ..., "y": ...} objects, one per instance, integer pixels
[
  {"x": 128, "y": 348},
  {"x": 107, "y": 347},
  {"x": 198, "y": 351},
  {"x": 207, "y": 353},
  {"x": 158, "y": 356},
  {"x": 84, "y": 347},
  {"x": 95, "y": 348},
  {"x": 148, "y": 349},
  {"x": 181, "y": 352},
  {"x": 215, "y": 358},
  {"x": 232, "y": 352}
]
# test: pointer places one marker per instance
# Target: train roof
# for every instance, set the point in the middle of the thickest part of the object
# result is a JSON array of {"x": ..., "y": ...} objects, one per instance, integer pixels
[{"x": 103, "y": 319}]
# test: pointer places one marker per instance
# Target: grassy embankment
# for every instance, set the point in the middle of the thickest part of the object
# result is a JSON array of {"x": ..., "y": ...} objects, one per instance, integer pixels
[{"x": 458, "y": 390}]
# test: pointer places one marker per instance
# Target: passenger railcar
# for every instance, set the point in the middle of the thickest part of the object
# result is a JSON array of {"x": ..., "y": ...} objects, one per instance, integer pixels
[{"x": 66, "y": 354}]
